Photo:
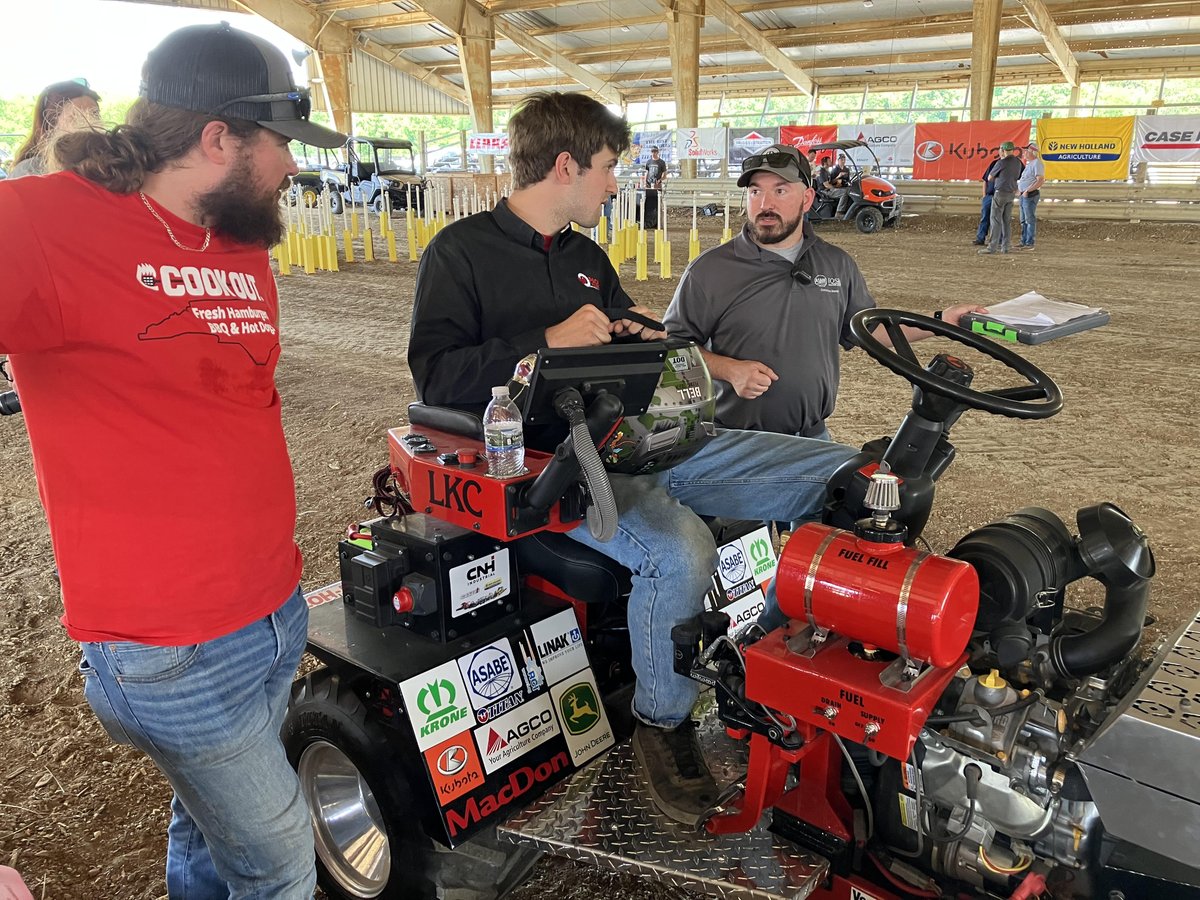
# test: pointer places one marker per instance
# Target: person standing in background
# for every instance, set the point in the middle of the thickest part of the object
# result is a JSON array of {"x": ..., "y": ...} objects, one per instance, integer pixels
[
  {"x": 1029, "y": 187},
  {"x": 1005, "y": 177},
  {"x": 656, "y": 174},
  {"x": 65, "y": 104},
  {"x": 985, "y": 206}
]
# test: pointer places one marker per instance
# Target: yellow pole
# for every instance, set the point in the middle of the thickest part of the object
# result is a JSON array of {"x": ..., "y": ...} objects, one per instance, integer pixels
[
  {"x": 602, "y": 231},
  {"x": 329, "y": 239},
  {"x": 281, "y": 256},
  {"x": 693, "y": 244},
  {"x": 664, "y": 266},
  {"x": 310, "y": 264},
  {"x": 391, "y": 244},
  {"x": 348, "y": 245},
  {"x": 368, "y": 245},
  {"x": 641, "y": 257}
]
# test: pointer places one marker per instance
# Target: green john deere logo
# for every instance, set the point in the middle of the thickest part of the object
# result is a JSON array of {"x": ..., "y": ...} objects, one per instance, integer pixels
[
  {"x": 760, "y": 555},
  {"x": 579, "y": 707}
]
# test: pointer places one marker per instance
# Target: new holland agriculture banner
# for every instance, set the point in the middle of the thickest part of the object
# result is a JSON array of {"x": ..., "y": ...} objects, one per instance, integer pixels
[
  {"x": 893, "y": 144},
  {"x": 803, "y": 136},
  {"x": 745, "y": 142},
  {"x": 700, "y": 143},
  {"x": 960, "y": 151},
  {"x": 1167, "y": 139},
  {"x": 1086, "y": 149}
]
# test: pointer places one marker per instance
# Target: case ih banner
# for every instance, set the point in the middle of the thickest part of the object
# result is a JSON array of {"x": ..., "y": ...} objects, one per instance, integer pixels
[
  {"x": 488, "y": 144},
  {"x": 893, "y": 144},
  {"x": 700, "y": 143},
  {"x": 803, "y": 136},
  {"x": 959, "y": 151},
  {"x": 745, "y": 142},
  {"x": 1174, "y": 139},
  {"x": 1086, "y": 148}
]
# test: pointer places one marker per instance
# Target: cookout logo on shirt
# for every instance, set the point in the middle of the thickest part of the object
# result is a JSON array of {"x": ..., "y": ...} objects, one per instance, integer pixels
[
  {"x": 190, "y": 281},
  {"x": 589, "y": 282}
]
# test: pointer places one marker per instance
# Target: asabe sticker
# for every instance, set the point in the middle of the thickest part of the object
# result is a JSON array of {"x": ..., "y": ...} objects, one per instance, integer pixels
[
  {"x": 490, "y": 673},
  {"x": 437, "y": 704},
  {"x": 479, "y": 582}
]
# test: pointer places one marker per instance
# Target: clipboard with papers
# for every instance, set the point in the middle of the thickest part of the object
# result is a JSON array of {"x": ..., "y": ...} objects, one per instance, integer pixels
[{"x": 1034, "y": 319}]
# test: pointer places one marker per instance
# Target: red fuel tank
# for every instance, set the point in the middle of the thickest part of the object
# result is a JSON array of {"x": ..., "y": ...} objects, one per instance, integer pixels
[{"x": 908, "y": 601}]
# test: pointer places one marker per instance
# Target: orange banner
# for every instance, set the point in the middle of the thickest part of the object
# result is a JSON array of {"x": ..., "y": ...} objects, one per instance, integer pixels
[
  {"x": 803, "y": 136},
  {"x": 959, "y": 151}
]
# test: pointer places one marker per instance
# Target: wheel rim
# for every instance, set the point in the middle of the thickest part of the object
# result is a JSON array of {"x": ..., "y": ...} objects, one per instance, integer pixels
[
  {"x": 310, "y": 198},
  {"x": 350, "y": 835}
]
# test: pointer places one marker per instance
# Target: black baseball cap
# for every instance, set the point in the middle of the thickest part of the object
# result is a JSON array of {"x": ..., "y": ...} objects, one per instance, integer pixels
[
  {"x": 783, "y": 160},
  {"x": 223, "y": 72}
]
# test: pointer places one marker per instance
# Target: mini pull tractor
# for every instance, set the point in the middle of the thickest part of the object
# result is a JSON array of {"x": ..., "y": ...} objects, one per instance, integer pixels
[
  {"x": 920, "y": 725},
  {"x": 871, "y": 202}
]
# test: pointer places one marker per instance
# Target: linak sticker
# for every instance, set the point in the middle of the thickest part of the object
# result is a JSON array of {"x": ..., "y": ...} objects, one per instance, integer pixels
[
  {"x": 514, "y": 734},
  {"x": 559, "y": 645},
  {"x": 490, "y": 673},
  {"x": 585, "y": 725},
  {"x": 437, "y": 704},
  {"x": 454, "y": 767},
  {"x": 479, "y": 582}
]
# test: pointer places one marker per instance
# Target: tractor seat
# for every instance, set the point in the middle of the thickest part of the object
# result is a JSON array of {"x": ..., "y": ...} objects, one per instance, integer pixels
[
  {"x": 446, "y": 418},
  {"x": 574, "y": 568}
]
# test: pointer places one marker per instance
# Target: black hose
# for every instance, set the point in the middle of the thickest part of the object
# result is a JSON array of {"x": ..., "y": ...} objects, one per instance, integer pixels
[
  {"x": 1120, "y": 628},
  {"x": 974, "y": 716}
]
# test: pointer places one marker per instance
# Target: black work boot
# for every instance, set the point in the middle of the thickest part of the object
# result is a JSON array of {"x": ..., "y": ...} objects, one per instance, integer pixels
[{"x": 679, "y": 780}]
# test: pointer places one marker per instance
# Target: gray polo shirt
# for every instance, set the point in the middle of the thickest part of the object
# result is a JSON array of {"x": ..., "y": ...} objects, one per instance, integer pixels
[
  {"x": 741, "y": 301},
  {"x": 1007, "y": 174},
  {"x": 1034, "y": 169}
]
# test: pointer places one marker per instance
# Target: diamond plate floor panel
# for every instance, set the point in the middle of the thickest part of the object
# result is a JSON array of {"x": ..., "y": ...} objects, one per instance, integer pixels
[{"x": 604, "y": 816}]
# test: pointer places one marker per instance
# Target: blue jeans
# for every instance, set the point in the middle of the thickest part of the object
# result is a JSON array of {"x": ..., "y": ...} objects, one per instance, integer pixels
[
  {"x": 985, "y": 218},
  {"x": 1029, "y": 219},
  {"x": 209, "y": 715},
  {"x": 672, "y": 555}
]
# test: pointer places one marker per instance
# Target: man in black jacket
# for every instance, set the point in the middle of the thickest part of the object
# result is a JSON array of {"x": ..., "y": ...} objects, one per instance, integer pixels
[{"x": 499, "y": 285}]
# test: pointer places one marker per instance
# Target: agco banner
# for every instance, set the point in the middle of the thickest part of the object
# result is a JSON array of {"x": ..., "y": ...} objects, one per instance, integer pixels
[
  {"x": 804, "y": 136},
  {"x": 959, "y": 151},
  {"x": 1086, "y": 149},
  {"x": 1167, "y": 139},
  {"x": 893, "y": 144}
]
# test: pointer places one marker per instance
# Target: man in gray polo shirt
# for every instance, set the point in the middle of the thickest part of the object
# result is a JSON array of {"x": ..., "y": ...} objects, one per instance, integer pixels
[
  {"x": 1004, "y": 176},
  {"x": 770, "y": 307}
]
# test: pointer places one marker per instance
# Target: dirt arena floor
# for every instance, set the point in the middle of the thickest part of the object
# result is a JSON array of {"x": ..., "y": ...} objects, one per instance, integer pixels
[{"x": 84, "y": 819}]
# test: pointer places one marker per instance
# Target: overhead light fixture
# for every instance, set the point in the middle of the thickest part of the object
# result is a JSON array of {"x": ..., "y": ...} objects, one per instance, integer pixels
[
  {"x": 868, "y": 3},
  {"x": 624, "y": 27}
]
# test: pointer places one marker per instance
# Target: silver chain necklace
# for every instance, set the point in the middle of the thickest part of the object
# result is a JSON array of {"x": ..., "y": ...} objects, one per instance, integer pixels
[{"x": 171, "y": 234}]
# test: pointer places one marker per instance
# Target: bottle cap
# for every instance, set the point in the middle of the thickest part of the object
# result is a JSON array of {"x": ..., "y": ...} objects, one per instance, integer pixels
[{"x": 501, "y": 390}]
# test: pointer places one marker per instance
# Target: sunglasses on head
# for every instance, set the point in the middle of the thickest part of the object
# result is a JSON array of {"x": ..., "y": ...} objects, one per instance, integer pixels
[
  {"x": 300, "y": 98},
  {"x": 776, "y": 159}
]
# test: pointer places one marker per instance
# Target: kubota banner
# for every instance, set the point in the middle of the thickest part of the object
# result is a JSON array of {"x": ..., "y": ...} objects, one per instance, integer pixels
[
  {"x": 959, "y": 151},
  {"x": 803, "y": 136},
  {"x": 1093, "y": 148}
]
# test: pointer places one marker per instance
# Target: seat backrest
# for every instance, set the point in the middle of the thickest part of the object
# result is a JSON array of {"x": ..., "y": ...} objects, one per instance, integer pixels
[{"x": 446, "y": 418}]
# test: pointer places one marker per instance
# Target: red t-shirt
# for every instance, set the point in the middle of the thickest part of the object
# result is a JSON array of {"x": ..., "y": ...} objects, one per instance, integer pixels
[{"x": 147, "y": 380}]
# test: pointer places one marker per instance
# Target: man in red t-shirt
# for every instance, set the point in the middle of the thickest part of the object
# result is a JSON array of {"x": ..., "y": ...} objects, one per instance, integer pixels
[{"x": 143, "y": 334}]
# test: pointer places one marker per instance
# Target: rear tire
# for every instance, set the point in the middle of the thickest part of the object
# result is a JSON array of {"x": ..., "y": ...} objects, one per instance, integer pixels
[
  {"x": 869, "y": 220},
  {"x": 336, "y": 204},
  {"x": 309, "y": 197},
  {"x": 369, "y": 840},
  {"x": 377, "y": 203}
]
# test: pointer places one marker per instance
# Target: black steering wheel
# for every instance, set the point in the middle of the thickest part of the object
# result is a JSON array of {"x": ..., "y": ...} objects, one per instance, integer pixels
[{"x": 1039, "y": 399}]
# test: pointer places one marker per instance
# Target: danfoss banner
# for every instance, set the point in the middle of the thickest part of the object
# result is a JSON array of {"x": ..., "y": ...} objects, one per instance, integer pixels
[
  {"x": 960, "y": 151},
  {"x": 893, "y": 144},
  {"x": 1086, "y": 148},
  {"x": 1167, "y": 139},
  {"x": 700, "y": 143},
  {"x": 804, "y": 136}
]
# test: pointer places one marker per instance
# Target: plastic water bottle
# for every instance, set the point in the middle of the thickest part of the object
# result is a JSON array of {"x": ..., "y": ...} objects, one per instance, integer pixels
[{"x": 503, "y": 436}]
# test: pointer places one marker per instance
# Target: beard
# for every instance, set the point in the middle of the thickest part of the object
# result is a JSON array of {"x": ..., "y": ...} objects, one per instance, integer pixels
[
  {"x": 239, "y": 210},
  {"x": 771, "y": 228}
]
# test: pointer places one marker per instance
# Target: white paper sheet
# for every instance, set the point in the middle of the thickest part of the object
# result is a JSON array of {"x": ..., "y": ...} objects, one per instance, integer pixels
[{"x": 1032, "y": 308}]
